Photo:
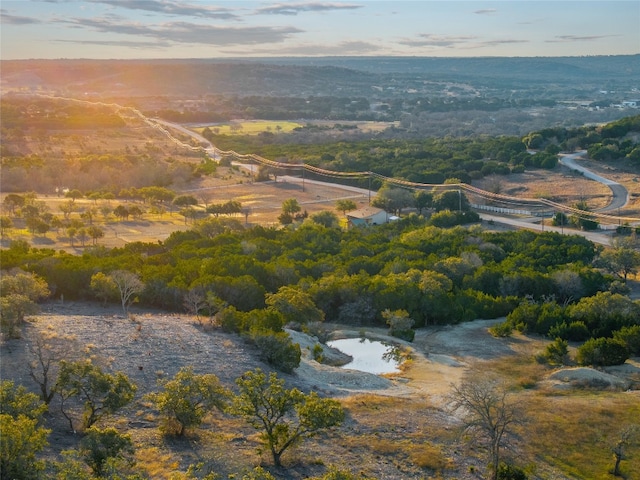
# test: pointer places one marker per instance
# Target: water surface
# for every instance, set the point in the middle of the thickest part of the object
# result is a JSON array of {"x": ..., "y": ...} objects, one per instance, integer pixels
[{"x": 369, "y": 356}]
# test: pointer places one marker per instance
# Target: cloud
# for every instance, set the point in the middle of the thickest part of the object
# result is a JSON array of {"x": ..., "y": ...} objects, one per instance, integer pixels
[
  {"x": 506, "y": 41},
  {"x": 430, "y": 40},
  {"x": 186, "y": 32},
  {"x": 577, "y": 38},
  {"x": 118, "y": 43},
  {"x": 486, "y": 11},
  {"x": 296, "y": 8},
  {"x": 170, "y": 7},
  {"x": 460, "y": 42},
  {"x": 347, "y": 48},
  {"x": 9, "y": 19}
]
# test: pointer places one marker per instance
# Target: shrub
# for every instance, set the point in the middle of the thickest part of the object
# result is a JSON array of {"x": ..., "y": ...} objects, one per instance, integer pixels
[
  {"x": 575, "y": 331},
  {"x": 631, "y": 337},
  {"x": 557, "y": 352},
  {"x": 503, "y": 329},
  {"x": 602, "y": 351},
  {"x": 510, "y": 472},
  {"x": 278, "y": 350}
]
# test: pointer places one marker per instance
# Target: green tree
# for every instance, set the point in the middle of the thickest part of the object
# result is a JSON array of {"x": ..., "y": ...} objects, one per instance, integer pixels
[
  {"x": 622, "y": 260},
  {"x": 326, "y": 219},
  {"x": 283, "y": 417},
  {"x": 74, "y": 194},
  {"x": 103, "y": 393},
  {"x": 423, "y": 199},
  {"x": 95, "y": 233},
  {"x": 451, "y": 200},
  {"x": 104, "y": 287},
  {"x": 187, "y": 398},
  {"x": 185, "y": 201},
  {"x": 291, "y": 207},
  {"x": 17, "y": 400},
  {"x": 400, "y": 324},
  {"x": 345, "y": 206},
  {"x": 295, "y": 305},
  {"x": 5, "y": 224},
  {"x": 21, "y": 440},
  {"x": 21, "y": 437},
  {"x": 19, "y": 292},
  {"x": 98, "y": 446},
  {"x": 393, "y": 199}
]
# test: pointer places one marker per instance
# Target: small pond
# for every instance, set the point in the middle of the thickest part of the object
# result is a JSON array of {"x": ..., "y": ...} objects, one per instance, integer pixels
[{"x": 368, "y": 355}]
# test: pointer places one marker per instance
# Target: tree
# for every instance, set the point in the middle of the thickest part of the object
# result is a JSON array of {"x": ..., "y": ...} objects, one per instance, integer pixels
[
  {"x": 74, "y": 194},
  {"x": 47, "y": 349},
  {"x": 393, "y": 199},
  {"x": 326, "y": 219},
  {"x": 19, "y": 292},
  {"x": 128, "y": 284},
  {"x": 451, "y": 200},
  {"x": 185, "y": 201},
  {"x": 423, "y": 200},
  {"x": 21, "y": 438},
  {"x": 20, "y": 441},
  {"x": 121, "y": 212},
  {"x": 399, "y": 324},
  {"x": 194, "y": 301},
  {"x": 622, "y": 260},
  {"x": 345, "y": 206},
  {"x": 97, "y": 446},
  {"x": 103, "y": 393},
  {"x": 291, "y": 206},
  {"x": 488, "y": 413},
  {"x": 284, "y": 417},
  {"x": 95, "y": 232},
  {"x": 295, "y": 305},
  {"x": 187, "y": 398},
  {"x": 627, "y": 437},
  {"x": 17, "y": 400},
  {"x": 5, "y": 224},
  {"x": 104, "y": 287}
]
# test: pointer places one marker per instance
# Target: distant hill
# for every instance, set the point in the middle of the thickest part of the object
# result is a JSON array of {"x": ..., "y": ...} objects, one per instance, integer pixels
[{"x": 348, "y": 76}]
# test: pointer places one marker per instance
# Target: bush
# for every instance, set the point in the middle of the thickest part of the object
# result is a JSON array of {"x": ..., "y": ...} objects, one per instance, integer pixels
[
  {"x": 503, "y": 329},
  {"x": 602, "y": 351},
  {"x": 557, "y": 353},
  {"x": 278, "y": 350},
  {"x": 511, "y": 472},
  {"x": 574, "y": 331},
  {"x": 631, "y": 337}
]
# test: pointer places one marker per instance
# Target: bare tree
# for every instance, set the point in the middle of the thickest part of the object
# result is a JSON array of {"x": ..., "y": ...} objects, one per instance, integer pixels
[
  {"x": 487, "y": 413},
  {"x": 628, "y": 436},
  {"x": 129, "y": 284},
  {"x": 194, "y": 301},
  {"x": 47, "y": 350}
]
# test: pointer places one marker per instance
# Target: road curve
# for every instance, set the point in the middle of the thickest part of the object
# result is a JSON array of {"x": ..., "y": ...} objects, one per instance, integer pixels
[{"x": 620, "y": 193}]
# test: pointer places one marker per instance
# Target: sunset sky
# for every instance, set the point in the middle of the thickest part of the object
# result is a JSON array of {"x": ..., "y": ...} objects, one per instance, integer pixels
[{"x": 214, "y": 29}]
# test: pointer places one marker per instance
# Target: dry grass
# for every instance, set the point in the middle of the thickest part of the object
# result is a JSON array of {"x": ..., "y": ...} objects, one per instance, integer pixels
[{"x": 575, "y": 432}]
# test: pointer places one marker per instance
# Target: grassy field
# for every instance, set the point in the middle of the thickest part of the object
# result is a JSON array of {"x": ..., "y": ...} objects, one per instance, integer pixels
[{"x": 251, "y": 127}]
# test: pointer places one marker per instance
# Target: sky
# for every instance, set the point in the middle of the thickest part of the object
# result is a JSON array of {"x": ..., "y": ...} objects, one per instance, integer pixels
[{"x": 132, "y": 29}]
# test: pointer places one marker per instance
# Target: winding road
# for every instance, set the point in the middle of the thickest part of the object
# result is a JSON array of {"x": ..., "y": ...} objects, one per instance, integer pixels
[{"x": 620, "y": 193}]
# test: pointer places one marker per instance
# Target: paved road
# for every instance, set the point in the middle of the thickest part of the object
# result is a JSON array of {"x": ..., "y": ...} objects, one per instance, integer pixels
[
  {"x": 620, "y": 193},
  {"x": 599, "y": 237}
]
